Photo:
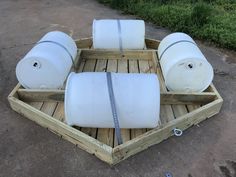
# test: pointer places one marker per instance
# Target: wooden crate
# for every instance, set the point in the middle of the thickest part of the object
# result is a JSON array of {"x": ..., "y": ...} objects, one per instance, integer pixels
[{"x": 178, "y": 110}]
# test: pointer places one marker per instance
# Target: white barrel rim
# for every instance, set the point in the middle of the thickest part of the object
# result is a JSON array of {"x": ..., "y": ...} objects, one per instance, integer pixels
[
  {"x": 165, "y": 40},
  {"x": 19, "y": 75},
  {"x": 207, "y": 83},
  {"x": 68, "y": 49},
  {"x": 68, "y": 82}
]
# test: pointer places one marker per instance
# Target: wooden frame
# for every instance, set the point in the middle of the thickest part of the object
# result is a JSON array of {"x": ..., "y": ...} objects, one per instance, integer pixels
[{"x": 178, "y": 110}]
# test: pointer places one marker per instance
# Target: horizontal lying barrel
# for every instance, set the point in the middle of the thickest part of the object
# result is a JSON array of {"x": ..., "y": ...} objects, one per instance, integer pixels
[
  {"x": 48, "y": 63},
  {"x": 118, "y": 34},
  {"x": 137, "y": 99},
  {"x": 183, "y": 65}
]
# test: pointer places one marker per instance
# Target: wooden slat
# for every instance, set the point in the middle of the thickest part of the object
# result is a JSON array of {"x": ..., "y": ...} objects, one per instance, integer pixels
[
  {"x": 133, "y": 66},
  {"x": 84, "y": 43},
  {"x": 88, "y": 42},
  {"x": 179, "y": 110},
  {"x": 152, "y": 44},
  {"x": 59, "y": 113},
  {"x": 81, "y": 66},
  {"x": 116, "y": 54},
  {"x": 89, "y": 66},
  {"x": 37, "y": 95},
  {"x": 125, "y": 133},
  {"x": 36, "y": 105},
  {"x": 187, "y": 98},
  {"x": 192, "y": 107},
  {"x": 49, "y": 108},
  {"x": 32, "y": 95}
]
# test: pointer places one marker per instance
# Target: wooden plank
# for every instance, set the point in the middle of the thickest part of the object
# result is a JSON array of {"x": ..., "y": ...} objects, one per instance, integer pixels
[
  {"x": 84, "y": 43},
  {"x": 125, "y": 133},
  {"x": 116, "y": 54},
  {"x": 13, "y": 93},
  {"x": 81, "y": 66},
  {"x": 82, "y": 140},
  {"x": 192, "y": 107},
  {"x": 101, "y": 66},
  {"x": 187, "y": 98},
  {"x": 133, "y": 66},
  {"x": 123, "y": 66},
  {"x": 59, "y": 113},
  {"x": 179, "y": 110},
  {"x": 89, "y": 66},
  {"x": 35, "y": 95},
  {"x": 144, "y": 66},
  {"x": 37, "y": 105},
  {"x": 157, "y": 135},
  {"x": 112, "y": 65},
  {"x": 88, "y": 42},
  {"x": 152, "y": 44},
  {"x": 77, "y": 61},
  {"x": 49, "y": 108}
]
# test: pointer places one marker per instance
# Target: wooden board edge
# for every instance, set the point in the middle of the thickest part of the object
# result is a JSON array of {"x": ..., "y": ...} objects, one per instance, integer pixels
[
  {"x": 116, "y": 54},
  {"x": 88, "y": 42},
  {"x": 85, "y": 142},
  {"x": 31, "y": 95},
  {"x": 84, "y": 43},
  {"x": 13, "y": 93},
  {"x": 156, "y": 136},
  {"x": 152, "y": 43}
]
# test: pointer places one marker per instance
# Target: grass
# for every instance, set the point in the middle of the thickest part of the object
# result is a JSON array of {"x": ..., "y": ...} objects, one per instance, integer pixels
[{"x": 209, "y": 20}]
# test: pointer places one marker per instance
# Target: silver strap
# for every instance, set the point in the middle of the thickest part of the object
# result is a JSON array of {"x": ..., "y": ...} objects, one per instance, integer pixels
[
  {"x": 113, "y": 108},
  {"x": 174, "y": 44},
  {"x": 61, "y": 47},
  {"x": 120, "y": 37}
]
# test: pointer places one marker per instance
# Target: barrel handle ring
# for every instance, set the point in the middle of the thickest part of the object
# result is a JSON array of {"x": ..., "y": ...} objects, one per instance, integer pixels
[{"x": 177, "y": 132}]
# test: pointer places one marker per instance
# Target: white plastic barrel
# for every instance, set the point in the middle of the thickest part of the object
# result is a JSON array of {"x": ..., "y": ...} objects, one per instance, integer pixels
[
  {"x": 48, "y": 63},
  {"x": 108, "y": 35},
  {"x": 183, "y": 65},
  {"x": 137, "y": 99}
]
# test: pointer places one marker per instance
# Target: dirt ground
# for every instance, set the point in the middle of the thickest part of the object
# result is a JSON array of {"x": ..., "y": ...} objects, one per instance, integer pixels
[{"x": 26, "y": 149}]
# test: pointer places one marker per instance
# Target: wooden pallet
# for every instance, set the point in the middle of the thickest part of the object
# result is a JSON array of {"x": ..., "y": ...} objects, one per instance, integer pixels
[{"x": 178, "y": 110}]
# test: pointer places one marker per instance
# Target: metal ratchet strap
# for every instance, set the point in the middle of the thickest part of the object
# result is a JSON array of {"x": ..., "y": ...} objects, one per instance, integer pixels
[
  {"x": 174, "y": 44},
  {"x": 61, "y": 47},
  {"x": 113, "y": 108},
  {"x": 120, "y": 38}
]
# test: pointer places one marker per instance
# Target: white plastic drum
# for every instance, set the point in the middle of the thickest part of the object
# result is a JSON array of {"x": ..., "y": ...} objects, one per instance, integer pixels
[
  {"x": 137, "y": 98},
  {"x": 117, "y": 34},
  {"x": 48, "y": 63},
  {"x": 183, "y": 65}
]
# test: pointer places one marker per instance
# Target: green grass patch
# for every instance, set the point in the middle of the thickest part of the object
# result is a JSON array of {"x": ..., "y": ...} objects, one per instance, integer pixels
[{"x": 210, "y": 20}]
